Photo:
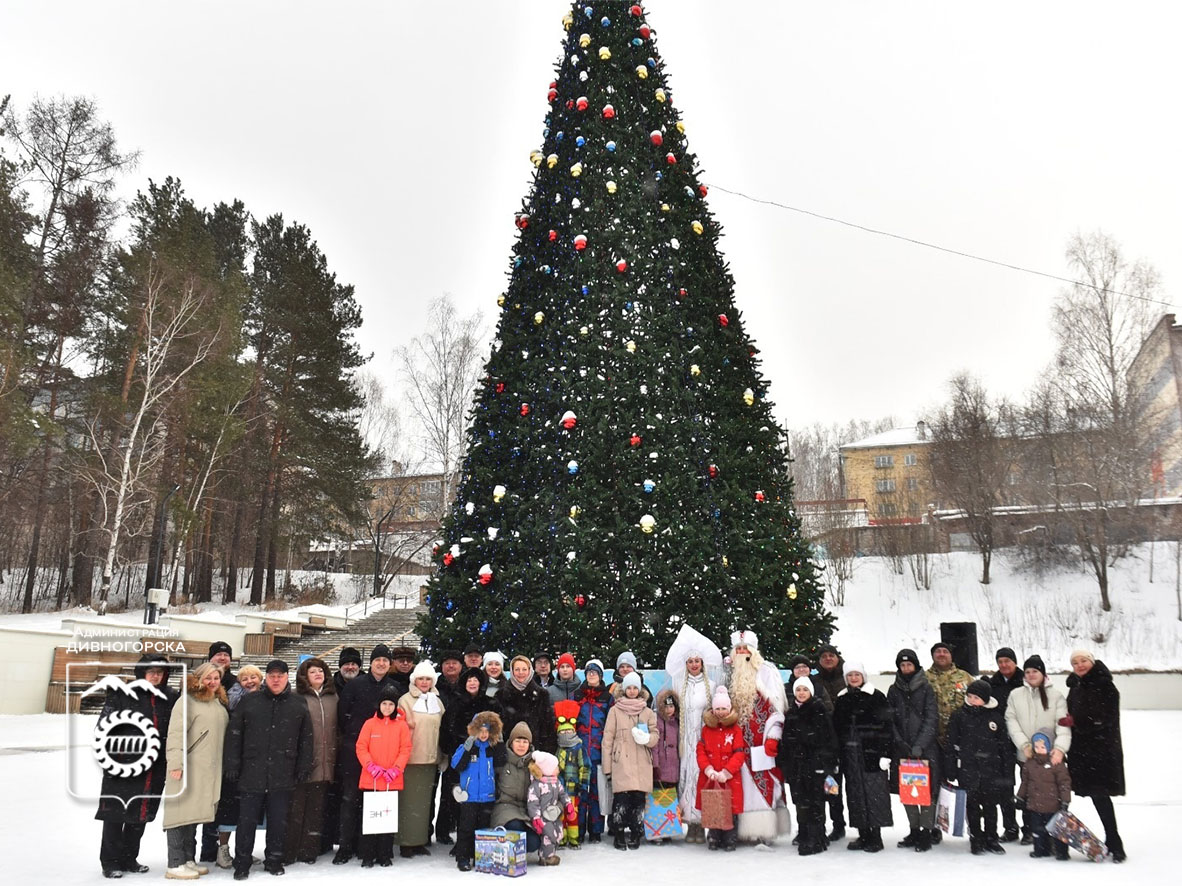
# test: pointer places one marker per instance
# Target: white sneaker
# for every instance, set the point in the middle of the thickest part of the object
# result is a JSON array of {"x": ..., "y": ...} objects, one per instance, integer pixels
[
  {"x": 199, "y": 868},
  {"x": 225, "y": 857},
  {"x": 184, "y": 872}
]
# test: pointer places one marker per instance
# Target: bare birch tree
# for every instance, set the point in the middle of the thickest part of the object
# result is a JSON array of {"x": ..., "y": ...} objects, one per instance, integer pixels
[{"x": 440, "y": 368}]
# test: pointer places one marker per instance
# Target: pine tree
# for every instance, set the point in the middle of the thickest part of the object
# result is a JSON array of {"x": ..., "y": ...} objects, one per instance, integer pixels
[{"x": 624, "y": 471}]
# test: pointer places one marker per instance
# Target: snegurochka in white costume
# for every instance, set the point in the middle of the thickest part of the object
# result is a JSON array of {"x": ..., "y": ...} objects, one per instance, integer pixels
[
  {"x": 694, "y": 666},
  {"x": 758, "y": 697}
]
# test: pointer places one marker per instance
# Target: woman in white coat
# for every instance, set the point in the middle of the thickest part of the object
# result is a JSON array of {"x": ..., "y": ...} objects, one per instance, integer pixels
[{"x": 1037, "y": 707}]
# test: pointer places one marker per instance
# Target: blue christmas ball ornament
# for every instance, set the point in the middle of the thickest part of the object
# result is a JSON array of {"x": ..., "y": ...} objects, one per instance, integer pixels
[
  {"x": 628, "y": 305},
  {"x": 606, "y": 22},
  {"x": 649, "y": 485},
  {"x": 717, "y": 513},
  {"x": 689, "y": 192},
  {"x": 726, "y": 361},
  {"x": 586, "y": 289},
  {"x": 450, "y": 605},
  {"x": 545, "y": 269},
  {"x": 517, "y": 262},
  {"x": 652, "y": 62},
  {"x": 484, "y": 626},
  {"x": 580, "y": 141},
  {"x": 428, "y": 599},
  {"x": 611, "y": 146},
  {"x": 636, "y": 41},
  {"x": 491, "y": 433},
  {"x": 660, "y": 176},
  {"x": 572, "y": 468},
  {"x": 559, "y": 135},
  {"x": 589, "y": 12}
]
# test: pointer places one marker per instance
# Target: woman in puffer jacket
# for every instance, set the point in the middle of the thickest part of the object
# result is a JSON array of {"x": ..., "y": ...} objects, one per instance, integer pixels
[{"x": 1037, "y": 707}]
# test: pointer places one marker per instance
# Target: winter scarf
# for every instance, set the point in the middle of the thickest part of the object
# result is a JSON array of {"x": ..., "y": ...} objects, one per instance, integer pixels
[
  {"x": 568, "y": 738},
  {"x": 630, "y": 706}
]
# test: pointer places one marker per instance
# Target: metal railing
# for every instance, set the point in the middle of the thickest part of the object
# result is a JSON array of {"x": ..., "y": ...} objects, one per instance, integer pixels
[{"x": 371, "y": 604}]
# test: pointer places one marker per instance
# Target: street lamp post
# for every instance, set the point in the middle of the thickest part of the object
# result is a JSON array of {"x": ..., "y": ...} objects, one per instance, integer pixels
[{"x": 150, "y": 607}]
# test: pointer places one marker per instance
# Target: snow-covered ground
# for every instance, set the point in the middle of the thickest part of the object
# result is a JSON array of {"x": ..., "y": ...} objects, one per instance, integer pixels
[
  {"x": 48, "y": 837},
  {"x": 1050, "y": 615}
]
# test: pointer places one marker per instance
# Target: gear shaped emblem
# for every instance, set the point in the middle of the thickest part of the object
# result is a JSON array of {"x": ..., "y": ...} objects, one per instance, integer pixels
[{"x": 126, "y": 744}]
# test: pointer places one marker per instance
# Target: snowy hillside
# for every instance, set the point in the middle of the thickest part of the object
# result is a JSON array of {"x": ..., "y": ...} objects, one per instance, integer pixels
[{"x": 1049, "y": 615}]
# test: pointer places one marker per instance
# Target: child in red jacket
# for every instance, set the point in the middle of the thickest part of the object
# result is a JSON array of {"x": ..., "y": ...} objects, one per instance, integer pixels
[
  {"x": 722, "y": 751},
  {"x": 383, "y": 749}
]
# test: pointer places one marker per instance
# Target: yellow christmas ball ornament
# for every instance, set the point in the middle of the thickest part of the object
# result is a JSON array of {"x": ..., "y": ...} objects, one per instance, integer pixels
[
  {"x": 660, "y": 95},
  {"x": 665, "y": 207},
  {"x": 695, "y": 370},
  {"x": 749, "y": 396},
  {"x": 583, "y": 330},
  {"x": 567, "y": 21},
  {"x": 584, "y": 40},
  {"x": 681, "y": 127},
  {"x": 498, "y": 492},
  {"x": 725, "y": 561},
  {"x": 630, "y": 347},
  {"x": 611, "y": 187},
  {"x": 696, "y": 226},
  {"x": 552, "y": 161},
  {"x": 605, "y": 53},
  {"x": 647, "y": 524},
  {"x": 574, "y": 511},
  {"x": 792, "y": 591},
  {"x": 536, "y": 157},
  {"x": 576, "y": 170},
  {"x": 501, "y": 300},
  {"x": 539, "y": 318},
  {"x": 642, "y": 72}
]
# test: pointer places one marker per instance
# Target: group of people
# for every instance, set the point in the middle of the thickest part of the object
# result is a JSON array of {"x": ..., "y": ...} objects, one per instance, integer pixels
[{"x": 533, "y": 747}]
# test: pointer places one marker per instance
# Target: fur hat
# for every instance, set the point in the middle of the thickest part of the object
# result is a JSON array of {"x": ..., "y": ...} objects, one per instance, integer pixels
[
  {"x": 450, "y": 655},
  {"x": 594, "y": 664},
  {"x": 744, "y": 638},
  {"x": 543, "y": 764},
  {"x": 468, "y": 673},
  {"x": 303, "y": 687},
  {"x": 626, "y": 658},
  {"x": 153, "y": 660},
  {"x": 907, "y": 655},
  {"x": 981, "y": 689},
  {"x": 1006, "y": 652},
  {"x": 521, "y": 730},
  {"x": 407, "y": 652},
  {"x": 473, "y": 649},
  {"x": 1081, "y": 653},
  {"x": 664, "y": 697},
  {"x": 853, "y": 667},
  {"x": 632, "y": 679},
  {"x": 349, "y": 655},
  {"x": 490, "y": 719},
  {"x": 565, "y": 659},
  {"x": 424, "y": 669},
  {"x": 827, "y": 647},
  {"x": 566, "y": 712},
  {"x": 493, "y": 655},
  {"x": 1035, "y": 661},
  {"x": 379, "y": 651},
  {"x": 219, "y": 646},
  {"x": 721, "y": 700},
  {"x": 388, "y": 693},
  {"x": 803, "y": 681}
]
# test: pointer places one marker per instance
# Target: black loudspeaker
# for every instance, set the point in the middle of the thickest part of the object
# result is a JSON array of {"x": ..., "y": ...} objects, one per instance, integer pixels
[{"x": 961, "y": 637}]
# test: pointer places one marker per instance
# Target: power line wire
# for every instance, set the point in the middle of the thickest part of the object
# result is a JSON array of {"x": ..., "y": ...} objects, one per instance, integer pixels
[{"x": 936, "y": 246}]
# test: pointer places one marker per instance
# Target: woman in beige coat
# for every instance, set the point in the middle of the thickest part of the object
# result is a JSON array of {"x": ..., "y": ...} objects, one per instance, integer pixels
[
  {"x": 629, "y": 735},
  {"x": 424, "y": 714},
  {"x": 196, "y": 734}
]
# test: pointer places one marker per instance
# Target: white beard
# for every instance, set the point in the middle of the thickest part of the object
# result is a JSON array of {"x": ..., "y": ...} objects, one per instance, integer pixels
[{"x": 744, "y": 681}]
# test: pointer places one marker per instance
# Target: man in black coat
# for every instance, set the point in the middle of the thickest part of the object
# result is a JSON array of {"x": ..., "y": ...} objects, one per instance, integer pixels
[
  {"x": 1003, "y": 681},
  {"x": 128, "y": 803},
  {"x": 356, "y": 705},
  {"x": 269, "y": 750},
  {"x": 348, "y": 668},
  {"x": 451, "y": 663},
  {"x": 402, "y": 662},
  {"x": 221, "y": 654},
  {"x": 977, "y": 760}
]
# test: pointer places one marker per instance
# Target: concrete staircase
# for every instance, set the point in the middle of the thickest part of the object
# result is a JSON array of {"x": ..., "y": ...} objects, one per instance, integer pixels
[{"x": 394, "y": 627}]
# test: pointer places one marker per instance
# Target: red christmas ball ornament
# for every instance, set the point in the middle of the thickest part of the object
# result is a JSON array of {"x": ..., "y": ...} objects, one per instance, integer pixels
[
  {"x": 448, "y": 559},
  {"x": 655, "y": 137},
  {"x": 485, "y": 576},
  {"x": 522, "y": 220},
  {"x": 609, "y": 112},
  {"x": 553, "y": 235},
  {"x": 712, "y": 471},
  {"x": 622, "y": 266},
  {"x": 581, "y": 242},
  {"x": 580, "y": 601},
  {"x": 636, "y": 10},
  {"x": 570, "y": 103},
  {"x": 500, "y": 387},
  {"x": 682, "y": 293},
  {"x": 703, "y": 190},
  {"x": 525, "y": 409},
  {"x": 759, "y": 495},
  {"x": 723, "y": 321},
  {"x": 645, "y": 31},
  {"x": 671, "y": 158},
  {"x": 569, "y": 420},
  {"x": 434, "y": 550},
  {"x": 634, "y": 440},
  {"x": 581, "y": 103},
  {"x": 551, "y": 95}
]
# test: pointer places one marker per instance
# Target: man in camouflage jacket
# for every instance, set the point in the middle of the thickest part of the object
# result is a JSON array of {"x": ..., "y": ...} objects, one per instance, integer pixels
[{"x": 949, "y": 683}]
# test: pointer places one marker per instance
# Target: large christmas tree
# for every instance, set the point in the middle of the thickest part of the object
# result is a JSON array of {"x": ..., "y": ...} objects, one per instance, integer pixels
[{"x": 624, "y": 471}]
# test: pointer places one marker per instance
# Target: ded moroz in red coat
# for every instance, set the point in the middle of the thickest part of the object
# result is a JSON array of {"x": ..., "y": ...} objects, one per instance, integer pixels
[{"x": 722, "y": 746}]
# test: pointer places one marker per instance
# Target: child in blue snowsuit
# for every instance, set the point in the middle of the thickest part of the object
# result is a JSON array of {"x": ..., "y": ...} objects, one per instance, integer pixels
[{"x": 476, "y": 761}]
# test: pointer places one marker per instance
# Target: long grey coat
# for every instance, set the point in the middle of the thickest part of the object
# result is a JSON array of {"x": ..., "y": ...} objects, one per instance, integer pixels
[
  {"x": 628, "y": 764},
  {"x": 206, "y": 718},
  {"x": 512, "y": 789}
]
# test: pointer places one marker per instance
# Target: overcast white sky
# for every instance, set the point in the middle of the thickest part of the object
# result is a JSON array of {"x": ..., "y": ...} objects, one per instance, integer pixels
[{"x": 400, "y": 133}]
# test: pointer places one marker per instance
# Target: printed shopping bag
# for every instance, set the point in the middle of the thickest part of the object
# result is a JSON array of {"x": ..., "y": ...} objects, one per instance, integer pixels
[
  {"x": 662, "y": 815},
  {"x": 950, "y": 810},
  {"x": 716, "y": 809},
  {"x": 499, "y": 851},
  {"x": 915, "y": 783},
  {"x": 379, "y": 812}
]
